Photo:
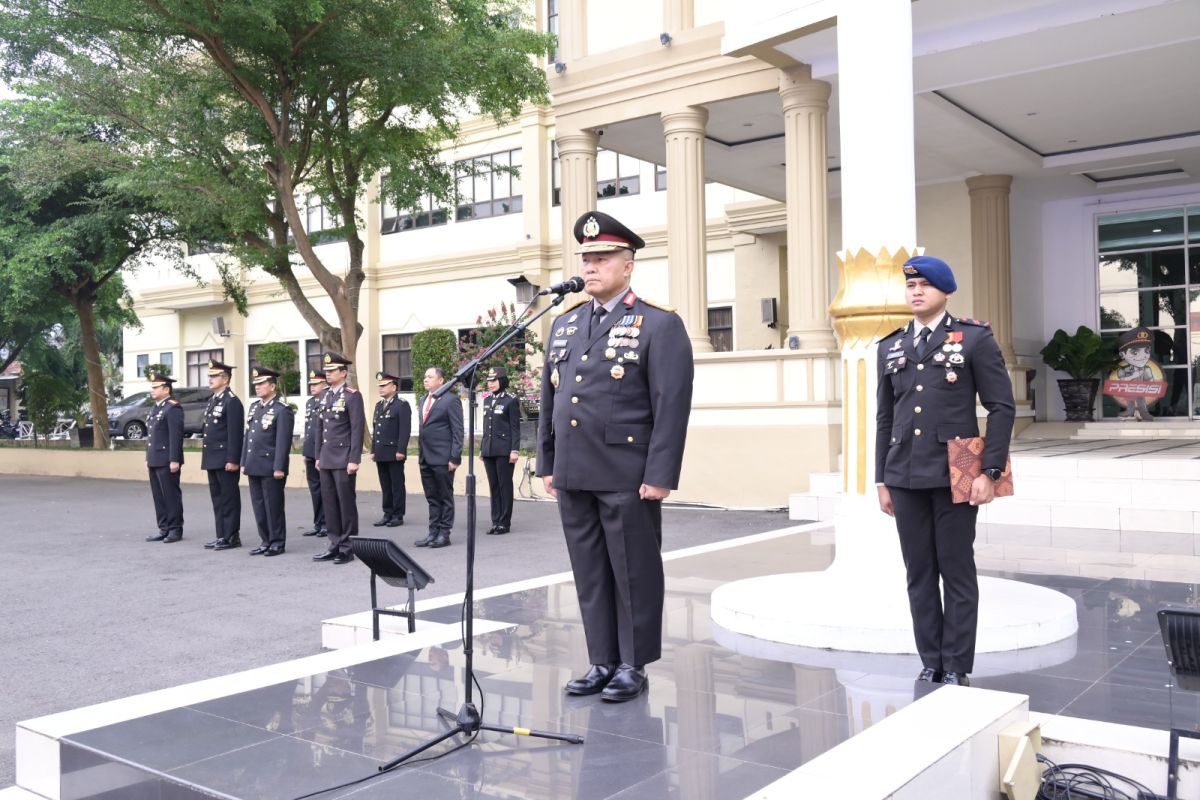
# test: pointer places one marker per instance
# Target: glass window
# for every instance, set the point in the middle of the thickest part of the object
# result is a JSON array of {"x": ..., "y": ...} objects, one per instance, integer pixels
[
  {"x": 617, "y": 175},
  {"x": 720, "y": 328},
  {"x": 197, "y": 365},
  {"x": 1142, "y": 270},
  {"x": 397, "y": 358},
  {"x": 491, "y": 190},
  {"x": 426, "y": 214},
  {"x": 552, "y": 23},
  {"x": 142, "y": 363},
  {"x": 1141, "y": 230},
  {"x": 312, "y": 357},
  {"x": 1154, "y": 309},
  {"x": 660, "y": 178}
]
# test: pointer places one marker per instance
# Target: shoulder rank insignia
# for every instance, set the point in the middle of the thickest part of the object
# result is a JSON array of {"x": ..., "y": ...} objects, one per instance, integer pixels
[
  {"x": 351, "y": 390},
  {"x": 978, "y": 323}
]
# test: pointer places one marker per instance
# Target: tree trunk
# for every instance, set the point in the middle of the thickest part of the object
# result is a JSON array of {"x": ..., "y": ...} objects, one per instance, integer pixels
[{"x": 97, "y": 397}]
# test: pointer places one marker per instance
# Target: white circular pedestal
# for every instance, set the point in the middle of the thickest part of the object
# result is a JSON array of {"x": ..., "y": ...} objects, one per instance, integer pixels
[{"x": 832, "y": 610}]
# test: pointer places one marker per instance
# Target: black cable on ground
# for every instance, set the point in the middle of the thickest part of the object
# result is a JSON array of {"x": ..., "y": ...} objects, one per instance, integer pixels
[{"x": 1083, "y": 782}]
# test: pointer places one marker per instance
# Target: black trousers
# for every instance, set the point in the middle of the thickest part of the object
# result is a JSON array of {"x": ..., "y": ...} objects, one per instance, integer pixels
[
  {"x": 614, "y": 540},
  {"x": 341, "y": 507},
  {"x": 313, "y": 475},
  {"x": 937, "y": 539},
  {"x": 391, "y": 481},
  {"x": 500, "y": 484},
  {"x": 168, "y": 499},
  {"x": 438, "y": 482},
  {"x": 266, "y": 496},
  {"x": 226, "y": 502}
]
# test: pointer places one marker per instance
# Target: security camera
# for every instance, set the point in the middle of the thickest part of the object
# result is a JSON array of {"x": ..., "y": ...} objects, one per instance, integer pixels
[
  {"x": 664, "y": 38},
  {"x": 560, "y": 67}
]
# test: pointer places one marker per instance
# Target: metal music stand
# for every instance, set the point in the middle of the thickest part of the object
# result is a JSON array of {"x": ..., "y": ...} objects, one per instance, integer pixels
[
  {"x": 386, "y": 560},
  {"x": 1180, "y": 629}
]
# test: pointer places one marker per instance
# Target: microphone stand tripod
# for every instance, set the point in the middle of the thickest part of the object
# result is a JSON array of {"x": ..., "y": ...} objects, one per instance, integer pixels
[{"x": 468, "y": 720}]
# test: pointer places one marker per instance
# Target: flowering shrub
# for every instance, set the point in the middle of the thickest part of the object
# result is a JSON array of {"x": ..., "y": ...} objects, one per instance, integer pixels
[{"x": 514, "y": 357}]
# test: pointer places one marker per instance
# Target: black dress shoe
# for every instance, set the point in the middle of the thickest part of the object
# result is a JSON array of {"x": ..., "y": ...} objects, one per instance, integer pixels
[
  {"x": 158, "y": 537},
  {"x": 212, "y": 544},
  {"x": 428, "y": 540},
  {"x": 499, "y": 530},
  {"x": 258, "y": 551},
  {"x": 379, "y": 523},
  {"x": 274, "y": 551},
  {"x": 595, "y": 680},
  {"x": 328, "y": 555},
  {"x": 491, "y": 531},
  {"x": 312, "y": 532},
  {"x": 228, "y": 544},
  {"x": 626, "y": 684},
  {"x": 956, "y": 679},
  {"x": 930, "y": 675},
  {"x": 442, "y": 540},
  {"x": 321, "y": 534},
  {"x": 395, "y": 522},
  {"x": 343, "y": 558},
  {"x": 172, "y": 538}
]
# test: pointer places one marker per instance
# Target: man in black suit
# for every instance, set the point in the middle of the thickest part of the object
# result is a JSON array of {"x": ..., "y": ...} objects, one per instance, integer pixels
[
  {"x": 340, "y": 426},
  {"x": 220, "y": 457},
  {"x": 499, "y": 446},
  {"x": 616, "y": 396},
  {"x": 440, "y": 442},
  {"x": 265, "y": 458},
  {"x": 930, "y": 372},
  {"x": 312, "y": 408},
  {"x": 164, "y": 458},
  {"x": 389, "y": 447}
]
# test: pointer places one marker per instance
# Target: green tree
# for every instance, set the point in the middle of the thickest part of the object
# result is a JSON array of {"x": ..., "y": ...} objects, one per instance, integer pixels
[
  {"x": 46, "y": 398},
  {"x": 435, "y": 347},
  {"x": 280, "y": 357},
  {"x": 245, "y": 106},
  {"x": 74, "y": 227}
]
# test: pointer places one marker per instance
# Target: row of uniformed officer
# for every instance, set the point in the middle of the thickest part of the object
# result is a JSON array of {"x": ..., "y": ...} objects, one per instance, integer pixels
[
  {"x": 221, "y": 455},
  {"x": 265, "y": 457}
]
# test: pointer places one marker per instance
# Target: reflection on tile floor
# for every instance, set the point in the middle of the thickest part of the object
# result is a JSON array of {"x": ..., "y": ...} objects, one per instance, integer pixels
[{"x": 715, "y": 724}]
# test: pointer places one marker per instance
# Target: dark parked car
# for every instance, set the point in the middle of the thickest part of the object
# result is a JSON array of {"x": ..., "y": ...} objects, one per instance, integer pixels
[{"x": 128, "y": 417}]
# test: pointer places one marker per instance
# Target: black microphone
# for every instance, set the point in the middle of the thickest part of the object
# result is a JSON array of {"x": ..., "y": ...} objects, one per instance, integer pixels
[{"x": 566, "y": 287}]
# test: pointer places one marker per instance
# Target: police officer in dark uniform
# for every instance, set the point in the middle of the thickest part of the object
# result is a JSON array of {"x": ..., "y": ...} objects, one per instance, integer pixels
[
  {"x": 265, "y": 458},
  {"x": 616, "y": 396},
  {"x": 222, "y": 450},
  {"x": 389, "y": 447},
  {"x": 340, "y": 426},
  {"x": 499, "y": 446},
  {"x": 164, "y": 458},
  {"x": 930, "y": 372},
  {"x": 316, "y": 385}
]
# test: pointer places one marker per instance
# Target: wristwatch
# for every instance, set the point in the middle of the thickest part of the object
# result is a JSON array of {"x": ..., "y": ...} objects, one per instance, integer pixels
[{"x": 992, "y": 473}]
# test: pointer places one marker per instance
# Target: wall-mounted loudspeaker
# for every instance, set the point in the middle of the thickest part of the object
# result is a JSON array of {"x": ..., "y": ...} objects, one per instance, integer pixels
[{"x": 770, "y": 312}]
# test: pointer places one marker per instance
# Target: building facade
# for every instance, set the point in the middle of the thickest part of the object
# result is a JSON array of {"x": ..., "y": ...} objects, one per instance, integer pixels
[{"x": 1047, "y": 150}]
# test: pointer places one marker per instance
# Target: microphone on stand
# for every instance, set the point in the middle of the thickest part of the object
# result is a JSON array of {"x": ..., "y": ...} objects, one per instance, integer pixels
[{"x": 565, "y": 287}]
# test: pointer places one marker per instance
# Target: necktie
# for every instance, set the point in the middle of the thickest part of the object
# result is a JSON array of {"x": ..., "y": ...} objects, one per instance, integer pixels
[
  {"x": 428, "y": 405},
  {"x": 598, "y": 315},
  {"x": 922, "y": 341}
]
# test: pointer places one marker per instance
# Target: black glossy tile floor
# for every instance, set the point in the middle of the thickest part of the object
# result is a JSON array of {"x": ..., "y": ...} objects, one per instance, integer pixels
[{"x": 716, "y": 724}]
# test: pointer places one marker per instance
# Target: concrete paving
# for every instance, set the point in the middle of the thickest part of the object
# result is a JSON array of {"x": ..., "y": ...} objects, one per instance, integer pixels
[{"x": 92, "y": 613}]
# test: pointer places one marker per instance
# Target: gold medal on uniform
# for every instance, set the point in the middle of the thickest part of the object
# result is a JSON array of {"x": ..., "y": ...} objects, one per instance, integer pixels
[
  {"x": 559, "y": 331},
  {"x": 554, "y": 378},
  {"x": 617, "y": 371},
  {"x": 951, "y": 376},
  {"x": 610, "y": 353}
]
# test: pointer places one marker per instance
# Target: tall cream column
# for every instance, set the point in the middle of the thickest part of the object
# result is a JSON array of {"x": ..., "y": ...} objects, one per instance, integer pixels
[
  {"x": 577, "y": 162},
  {"x": 991, "y": 256},
  {"x": 805, "y": 108},
  {"x": 678, "y": 15},
  {"x": 572, "y": 30},
  {"x": 687, "y": 245}
]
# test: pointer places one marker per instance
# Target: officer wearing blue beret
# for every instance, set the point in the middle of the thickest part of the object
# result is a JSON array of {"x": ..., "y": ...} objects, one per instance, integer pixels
[
  {"x": 220, "y": 453},
  {"x": 930, "y": 373},
  {"x": 164, "y": 458},
  {"x": 616, "y": 396},
  {"x": 265, "y": 459}
]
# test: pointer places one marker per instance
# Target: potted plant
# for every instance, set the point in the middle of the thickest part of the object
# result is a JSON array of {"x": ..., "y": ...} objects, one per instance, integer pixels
[{"x": 1083, "y": 355}]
